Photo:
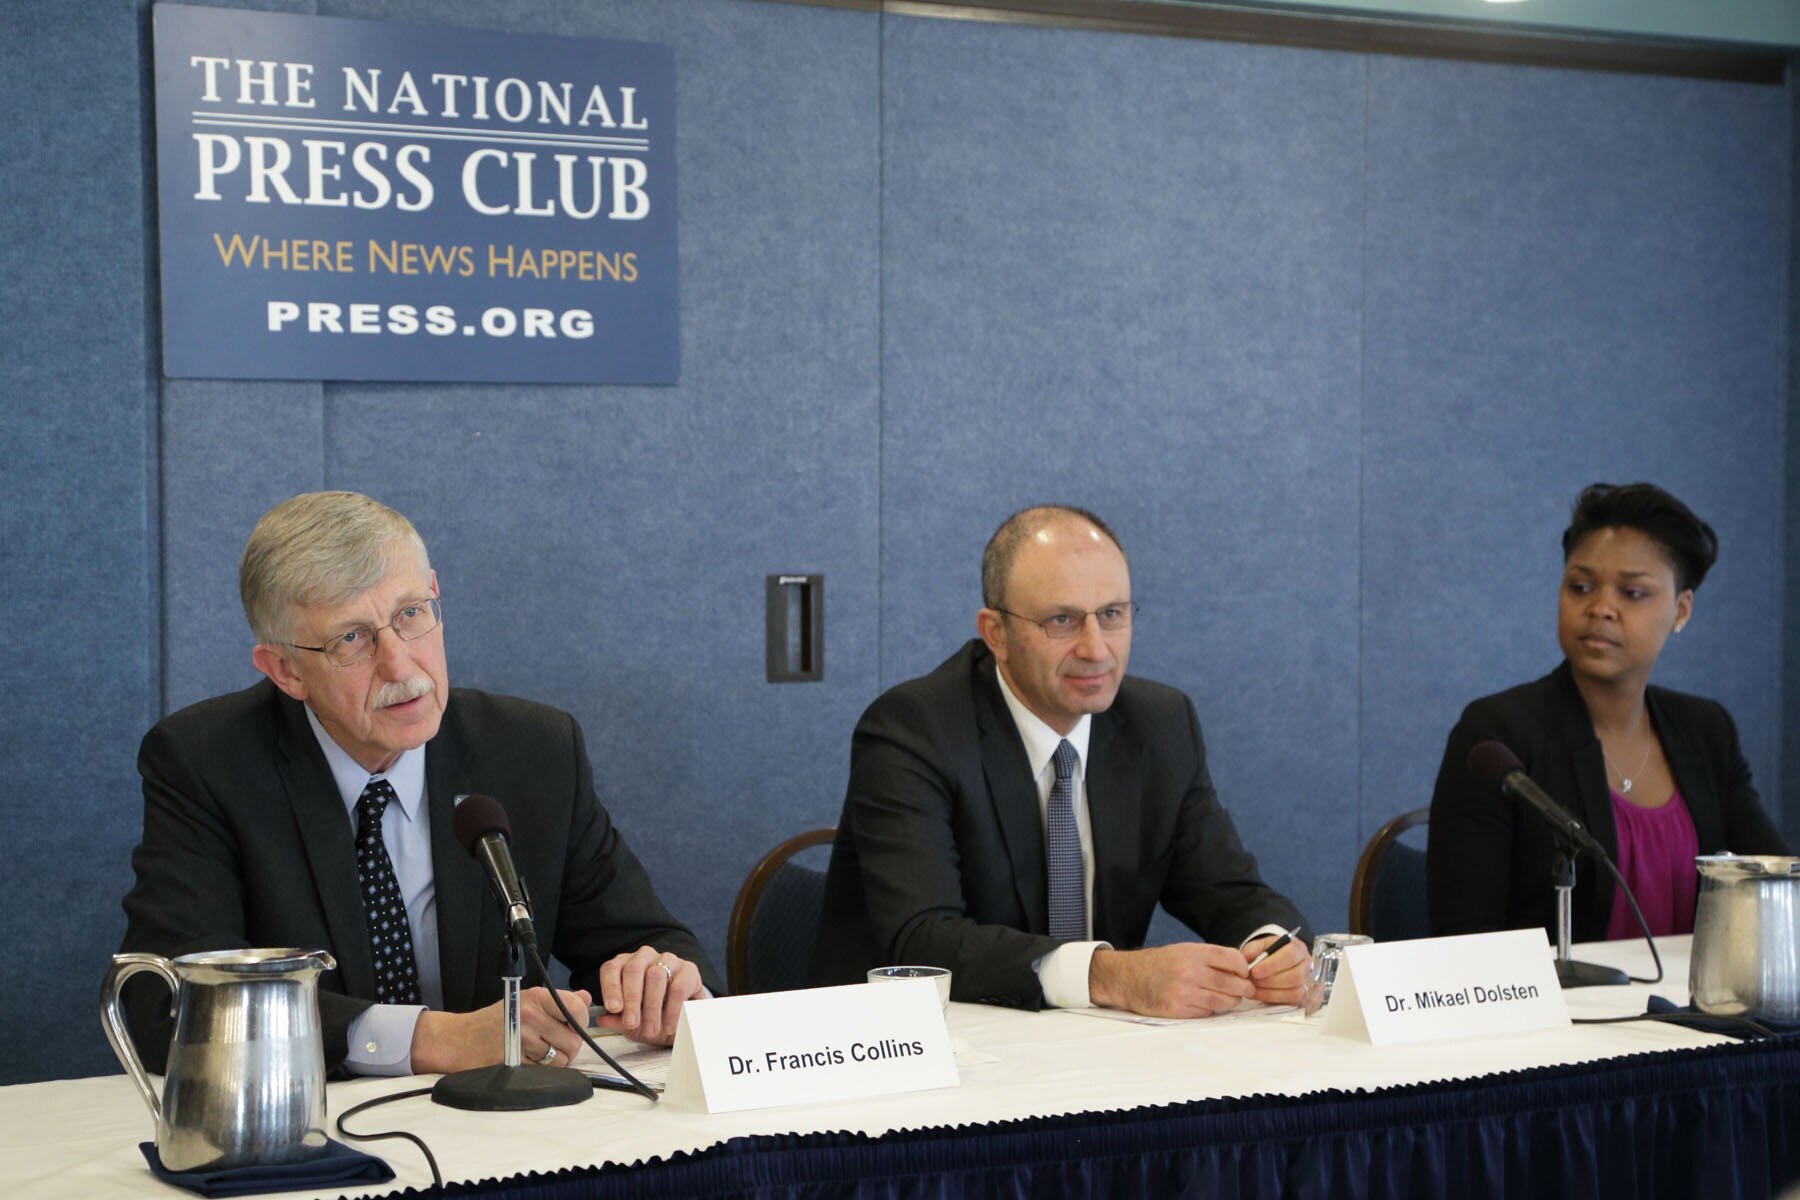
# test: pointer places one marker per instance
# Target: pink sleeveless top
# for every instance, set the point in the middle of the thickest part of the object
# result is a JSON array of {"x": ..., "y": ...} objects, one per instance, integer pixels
[{"x": 1656, "y": 856}]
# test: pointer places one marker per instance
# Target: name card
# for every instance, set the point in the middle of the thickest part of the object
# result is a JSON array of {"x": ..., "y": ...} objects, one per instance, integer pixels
[
  {"x": 801, "y": 1047},
  {"x": 1451, "y": 987}
]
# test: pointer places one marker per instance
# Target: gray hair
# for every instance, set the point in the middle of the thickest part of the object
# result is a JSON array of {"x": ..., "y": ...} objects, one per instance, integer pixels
[
  {"x": 1003, "y": 547},
  {"x": 319, "y": 548}
]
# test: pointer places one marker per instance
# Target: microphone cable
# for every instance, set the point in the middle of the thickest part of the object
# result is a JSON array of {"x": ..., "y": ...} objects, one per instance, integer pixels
[
  {"x": 1639, "y": 914},
  {"x": 1757, "y": 1028},
  {"x": 437, "y": 1178},
  {"x": 626, "y": 1082}
]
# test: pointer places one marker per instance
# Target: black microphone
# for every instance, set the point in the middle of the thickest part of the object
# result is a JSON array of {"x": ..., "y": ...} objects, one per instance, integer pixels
[
  {"x": 1498, "y": 767},
  {"x": 481, "y": 826}
]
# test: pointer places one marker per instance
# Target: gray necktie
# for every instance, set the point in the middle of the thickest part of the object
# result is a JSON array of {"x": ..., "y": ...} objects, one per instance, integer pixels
[
  {"x": 390, "y": 937},
  {"x": 1062, "y": 851}
]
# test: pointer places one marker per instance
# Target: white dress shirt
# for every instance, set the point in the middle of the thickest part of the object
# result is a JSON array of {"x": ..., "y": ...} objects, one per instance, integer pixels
[{"x": 1063, "y": 973}]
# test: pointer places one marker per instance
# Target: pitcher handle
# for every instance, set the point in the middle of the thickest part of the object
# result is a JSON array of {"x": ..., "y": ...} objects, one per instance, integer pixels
[{"x": 124, "y": 966}]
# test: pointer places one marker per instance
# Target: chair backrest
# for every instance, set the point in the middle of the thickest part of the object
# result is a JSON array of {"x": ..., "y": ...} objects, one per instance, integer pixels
[
  {"x": 775, "y": 920},
  {"x": 1387, "y": 894}
]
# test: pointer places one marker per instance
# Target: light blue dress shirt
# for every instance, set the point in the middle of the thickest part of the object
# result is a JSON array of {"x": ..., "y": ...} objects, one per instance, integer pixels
[{"x": 381, "y": 1038}]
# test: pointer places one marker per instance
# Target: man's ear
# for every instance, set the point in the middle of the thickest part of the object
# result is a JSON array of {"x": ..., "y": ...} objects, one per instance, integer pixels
[
  {"x": 275, "y": 663},
  {"x": 991, "y": 625}
]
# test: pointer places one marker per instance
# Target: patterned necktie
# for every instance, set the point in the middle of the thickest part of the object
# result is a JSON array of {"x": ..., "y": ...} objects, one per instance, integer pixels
[
  {"x": 390, "y": 937},
  {"x": 1062, "y": 849}
]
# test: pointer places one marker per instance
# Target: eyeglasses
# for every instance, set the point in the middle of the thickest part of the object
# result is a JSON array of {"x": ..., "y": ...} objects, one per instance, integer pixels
[
  {"x": 1060, "y": 626},
  {"x": 357, "y": 645}
]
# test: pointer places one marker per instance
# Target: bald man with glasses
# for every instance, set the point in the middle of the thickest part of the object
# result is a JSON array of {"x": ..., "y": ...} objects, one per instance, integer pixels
[{"x": 1018, "y": 814}]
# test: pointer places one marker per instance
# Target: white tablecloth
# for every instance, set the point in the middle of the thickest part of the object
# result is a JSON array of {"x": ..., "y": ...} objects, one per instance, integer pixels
[{"x": 78, "y": 1138}]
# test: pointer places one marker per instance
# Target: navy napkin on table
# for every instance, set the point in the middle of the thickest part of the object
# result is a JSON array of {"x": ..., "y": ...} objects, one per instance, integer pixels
[
  {"x": 338, "y": 1166},
  {"x": 1693, "y": 1018}
]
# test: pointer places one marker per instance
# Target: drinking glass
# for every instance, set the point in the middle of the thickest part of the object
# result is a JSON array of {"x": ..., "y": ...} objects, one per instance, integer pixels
[
  {"x": 1328, "y": 951},
  {"x": 938, "y": 975}
]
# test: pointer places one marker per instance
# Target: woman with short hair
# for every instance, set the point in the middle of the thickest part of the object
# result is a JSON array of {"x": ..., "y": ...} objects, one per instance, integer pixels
[{"x": 1656, "y": 775}]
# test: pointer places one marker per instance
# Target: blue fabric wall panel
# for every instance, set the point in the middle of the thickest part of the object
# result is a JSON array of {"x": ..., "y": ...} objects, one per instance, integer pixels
[
  {"x": 1122, "y": 272},
  {"x": 231, "y": 451},
  {"x": 1571, "y": 277},
  {"x": 77, "y": 671},
  {"x": 1790, "y": 640}
]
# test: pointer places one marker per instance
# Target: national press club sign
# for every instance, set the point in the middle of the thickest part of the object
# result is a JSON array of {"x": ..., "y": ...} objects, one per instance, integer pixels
[{"x": 346, "y": 199}]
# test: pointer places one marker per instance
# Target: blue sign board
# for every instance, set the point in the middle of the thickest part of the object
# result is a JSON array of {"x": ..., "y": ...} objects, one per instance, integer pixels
[{"x": 344, "y": 199}]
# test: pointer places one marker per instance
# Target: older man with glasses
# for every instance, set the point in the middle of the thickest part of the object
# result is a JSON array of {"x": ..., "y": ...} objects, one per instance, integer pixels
[
  {"x": 315, "y": 810},
  {"x": 1018, "y": 814}
]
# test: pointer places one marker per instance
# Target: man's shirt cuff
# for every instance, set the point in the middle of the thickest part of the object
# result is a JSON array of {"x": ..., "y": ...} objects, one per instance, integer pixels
[
  {"x": 1264, "y": 931},
  {"x": 1063, "y": 974},
  {"x": 381, "y": 1040}
]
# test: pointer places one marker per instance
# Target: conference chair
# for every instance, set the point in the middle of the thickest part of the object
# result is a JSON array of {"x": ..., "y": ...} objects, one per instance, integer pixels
[
  {"x": 775, "y": 920},
  {"x": 1387, "y": 894}
]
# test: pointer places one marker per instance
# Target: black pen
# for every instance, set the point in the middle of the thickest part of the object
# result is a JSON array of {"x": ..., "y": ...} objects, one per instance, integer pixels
[{"x": 1275, "y": 945}]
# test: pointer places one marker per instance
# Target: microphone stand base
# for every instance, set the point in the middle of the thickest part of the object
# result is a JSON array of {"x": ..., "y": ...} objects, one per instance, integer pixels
[
  {"x": 1573, "y": 974},
  {"x": 512, "y": 1089}
]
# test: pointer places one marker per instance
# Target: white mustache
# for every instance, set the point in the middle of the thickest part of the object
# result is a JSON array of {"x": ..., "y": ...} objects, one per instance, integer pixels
[{"x": 402, "y": 690}]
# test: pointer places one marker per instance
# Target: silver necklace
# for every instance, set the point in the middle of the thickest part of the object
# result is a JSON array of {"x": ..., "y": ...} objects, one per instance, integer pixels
[{"x": 1624, "y": 780}]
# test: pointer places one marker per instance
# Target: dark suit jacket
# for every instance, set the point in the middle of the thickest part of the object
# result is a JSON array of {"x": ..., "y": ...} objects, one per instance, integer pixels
[
  {"x": 246, "y": 843},
  {"x": 1488, "y": 862},
  {"x": 939, "y": 856}
]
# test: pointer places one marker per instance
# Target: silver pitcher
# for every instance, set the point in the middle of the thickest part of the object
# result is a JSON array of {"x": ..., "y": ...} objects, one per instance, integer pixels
[
  {"x": 246, "y": 1074},
  {"x": 1746, "y": 955}
]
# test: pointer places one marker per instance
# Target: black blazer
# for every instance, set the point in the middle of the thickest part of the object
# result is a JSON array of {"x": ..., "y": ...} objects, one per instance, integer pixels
[
  {"x": 246, "y": 843},
  {"x": 1488, "y": 863},
  {"x": 939, "y": 856}
]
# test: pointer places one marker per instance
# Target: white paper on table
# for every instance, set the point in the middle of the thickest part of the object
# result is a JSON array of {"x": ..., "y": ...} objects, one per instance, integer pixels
[
  {"x": 648, "y": 1063},
  {"x": 1247, "y": 1008},
  {"x": 969, "y": 1056}
]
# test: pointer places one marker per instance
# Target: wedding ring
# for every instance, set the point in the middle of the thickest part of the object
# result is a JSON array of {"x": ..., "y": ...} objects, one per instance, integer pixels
[
  {"x": 666, "y": 971},
  {"x": 549, "y": 1057}
]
